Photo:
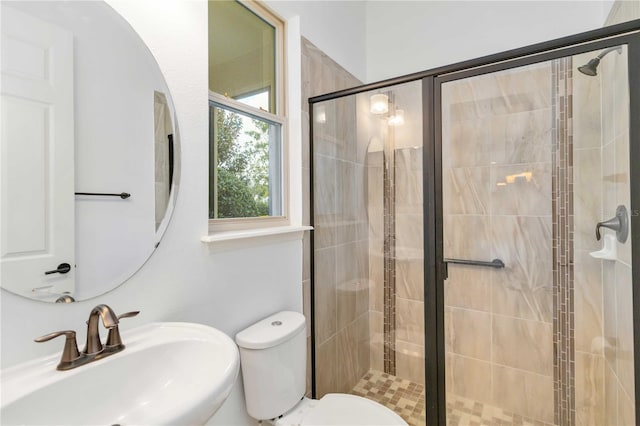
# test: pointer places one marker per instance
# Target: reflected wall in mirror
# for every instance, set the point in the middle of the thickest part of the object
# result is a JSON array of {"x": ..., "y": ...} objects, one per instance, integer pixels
[{"x": 85, "y": 110}]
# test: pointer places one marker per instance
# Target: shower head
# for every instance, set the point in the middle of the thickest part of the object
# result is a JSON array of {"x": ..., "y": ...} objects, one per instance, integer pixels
[{"x": 591, "y": 67}]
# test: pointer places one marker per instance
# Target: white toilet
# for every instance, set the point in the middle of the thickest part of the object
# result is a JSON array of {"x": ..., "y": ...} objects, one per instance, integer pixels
[{"x": 273, "y": 359}]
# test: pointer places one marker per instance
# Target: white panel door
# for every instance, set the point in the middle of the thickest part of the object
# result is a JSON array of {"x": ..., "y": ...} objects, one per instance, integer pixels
[{"x": 36, "y": 156}]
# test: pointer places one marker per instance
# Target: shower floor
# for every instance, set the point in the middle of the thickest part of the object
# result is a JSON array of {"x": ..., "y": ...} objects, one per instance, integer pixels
[
  {"x": 402, "y": 396},
  {"x": 407, "y": 399}
]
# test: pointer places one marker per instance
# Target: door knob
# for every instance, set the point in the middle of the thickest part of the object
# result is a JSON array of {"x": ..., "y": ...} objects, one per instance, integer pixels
[{"x": 63, "y": 268}]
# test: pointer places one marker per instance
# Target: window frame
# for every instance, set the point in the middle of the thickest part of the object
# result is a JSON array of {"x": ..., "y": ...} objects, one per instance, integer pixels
[{"x": 280, "y": 117}]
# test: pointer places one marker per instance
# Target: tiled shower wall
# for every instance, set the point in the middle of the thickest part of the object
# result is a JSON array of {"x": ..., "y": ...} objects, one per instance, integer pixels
[
  {"x": 587, "y": 209},
  {"x": 497, "y": 204},
  {"x": 396, "y": 279},
  {"x": 617, "y": 278},
  {"x": 341, "y": 229}
]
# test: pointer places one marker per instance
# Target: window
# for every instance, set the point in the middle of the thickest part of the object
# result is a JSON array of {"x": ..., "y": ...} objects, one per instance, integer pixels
[{"x": 246, "y": 117}]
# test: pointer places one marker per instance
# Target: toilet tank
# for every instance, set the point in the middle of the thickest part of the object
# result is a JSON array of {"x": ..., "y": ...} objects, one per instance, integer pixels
[{"x": 273, "y": 360}]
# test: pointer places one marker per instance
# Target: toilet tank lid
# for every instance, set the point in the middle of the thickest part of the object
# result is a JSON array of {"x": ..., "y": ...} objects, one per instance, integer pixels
[{"x": 271, "y": 331}]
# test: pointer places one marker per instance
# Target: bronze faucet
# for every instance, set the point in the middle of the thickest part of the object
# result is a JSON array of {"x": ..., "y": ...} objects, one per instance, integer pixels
[
  {"x": 94, "y": 349},
  {"x": 109, "y": 320}
]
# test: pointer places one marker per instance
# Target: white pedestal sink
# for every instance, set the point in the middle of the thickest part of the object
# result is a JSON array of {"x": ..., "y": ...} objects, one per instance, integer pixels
[{"x": 168, "y": 374}]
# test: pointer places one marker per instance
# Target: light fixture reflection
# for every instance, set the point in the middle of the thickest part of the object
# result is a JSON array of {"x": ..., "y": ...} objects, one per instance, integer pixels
[
  {"x": 379, "y": 103},
  {"x": 527, "y": 176},
  {"x": 397, "y": 119},
  {"x": 320, "y": 112}
]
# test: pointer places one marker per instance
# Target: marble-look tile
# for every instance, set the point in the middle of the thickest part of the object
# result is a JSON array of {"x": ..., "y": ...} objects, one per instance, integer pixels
[
  {"x": 610, "y": 396},
  {"x": 623, "y": 189},
  {"x": 410, "y": 278},
  {"x": 523, "y": 344},
  {"x": 361, "y": 203},
  {"x": 620, "y": 83},
  {"x": 610, "y": 182},
  {"x": 363, "y": 341},
  {"x": 590, "y": 390},
  {"x": 324, "y": 201},
  {"x": 364, "y": 283},
  {"x": 346, "y": 128},
  {"x": 609, "y": 310},
  {"x": 408, "y": 180},
  {"x": 587, "y": 197},
  {"x": 588, "y": 303},
  {"x": 626, "y": 409},
  {"x": 324, "y": 133},
  {"x": 469, "y": 333},
  {"x": 326, "y": 365},
  {"x": 409, "y": 230},
  {"x": 457, "y": 243},
  {"x": 375, "y": 196},
  {"x": 468, "y": 287},
  {"x": 524, "y": 137},
  {"x": 466, "y": 190},
  {"x": 376, "y": 336},
  {"x": 500, "y": 104},
  {"x": 529, "y": 193},
  {"x": 363, "y": 125},
  {"x": 535, "y": 79},
  {"x": 607, "y": 71},
  {"x": 345, "y": 193},
  {"x": 466, "y": 144},
  {"x": 410, "y": 362},
  {"x": 345, "y": 368},
  {"x": 468, "y": 377},
  {"x": 410, "y": 321},
  {"x": 500, "y": 93},
  {"x": 347, "y": 285},
  {"x": 376, "y": 276},
  {"x": 325, "y": 294},
  {"x": 306, "y": 199},
  {"x": 523, "y": 288},
  {"x": 524, "y": 393},
  {"x": 352, "y": 354},
  {"x": 624, "y": 348},
  {"x": 586, "y": 106}
]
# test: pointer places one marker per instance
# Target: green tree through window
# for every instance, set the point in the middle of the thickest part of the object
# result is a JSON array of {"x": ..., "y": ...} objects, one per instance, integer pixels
[{"x": 242, "y": 166}]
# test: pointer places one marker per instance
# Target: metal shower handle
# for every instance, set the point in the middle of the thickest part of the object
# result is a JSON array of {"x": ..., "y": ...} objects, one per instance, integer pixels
[{"x": 619, "y": 223}]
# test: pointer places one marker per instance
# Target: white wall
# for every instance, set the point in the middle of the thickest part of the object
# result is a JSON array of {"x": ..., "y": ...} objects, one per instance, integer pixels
[
  {"x": 184, "y": 280},
  {"x": 411, "y": 36},
  {"x": 335, "y": 27}
]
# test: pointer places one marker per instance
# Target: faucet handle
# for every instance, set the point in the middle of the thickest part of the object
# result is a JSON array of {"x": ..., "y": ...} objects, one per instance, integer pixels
[
  {"x": 113, "y": 339},
  {"x": 128, "y": 314},
  {"x": 70, "y": 352}
]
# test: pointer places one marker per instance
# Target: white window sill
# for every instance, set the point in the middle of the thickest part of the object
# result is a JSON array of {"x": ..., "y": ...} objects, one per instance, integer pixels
[{"x": 249, "y": 237}]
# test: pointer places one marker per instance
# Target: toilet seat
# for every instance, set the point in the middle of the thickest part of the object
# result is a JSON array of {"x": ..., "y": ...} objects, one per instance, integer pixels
[{"x": 336, "y": 409}]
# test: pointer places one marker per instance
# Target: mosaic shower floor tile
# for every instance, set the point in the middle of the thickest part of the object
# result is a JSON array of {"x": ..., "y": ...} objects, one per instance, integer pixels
[
  {"x": 407, "y": 399},
  {"x": 402, "y": 396}
]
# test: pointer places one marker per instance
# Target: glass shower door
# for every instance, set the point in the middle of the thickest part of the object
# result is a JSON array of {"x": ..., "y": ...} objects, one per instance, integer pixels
[{"x": 539, "y": 327}]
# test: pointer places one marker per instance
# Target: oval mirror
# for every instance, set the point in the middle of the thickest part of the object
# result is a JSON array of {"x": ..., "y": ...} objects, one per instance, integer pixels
[{"x": 89, "y": 156}]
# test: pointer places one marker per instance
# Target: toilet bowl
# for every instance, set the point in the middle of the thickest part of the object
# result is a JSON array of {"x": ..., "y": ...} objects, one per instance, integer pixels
[
  {"x": 338, "y": 409},
  {"x": 273, "y": 363}
]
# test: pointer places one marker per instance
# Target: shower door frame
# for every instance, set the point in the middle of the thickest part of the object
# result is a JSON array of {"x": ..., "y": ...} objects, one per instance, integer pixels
[
  {"x": 432, "y": 86},
  {"x": 434, "y": 267}
]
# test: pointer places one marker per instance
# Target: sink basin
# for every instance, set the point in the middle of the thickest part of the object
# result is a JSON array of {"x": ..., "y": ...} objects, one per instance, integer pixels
[{"x": 168, "y": 374}]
